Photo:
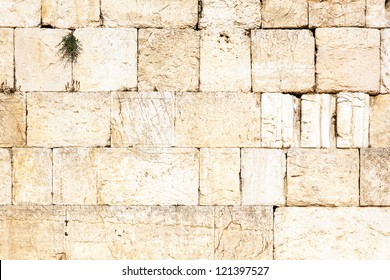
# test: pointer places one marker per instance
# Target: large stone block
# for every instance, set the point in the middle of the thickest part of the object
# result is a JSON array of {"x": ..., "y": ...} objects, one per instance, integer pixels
[
  {"x": 168, "y": 60},
  {"x": 16, "y": 13},
  {"x": 385, "y": 60},
  {"x": 7, "y": 56},
  {"x": 5, "y": 177},
  {"x": 378, "y": 13},
  {"x": 380, "y": 121},
  {"x": 284, "y": 14}
]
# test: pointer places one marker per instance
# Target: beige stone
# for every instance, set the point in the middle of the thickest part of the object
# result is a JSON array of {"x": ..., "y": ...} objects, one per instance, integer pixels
[
  {"x": 150, "y": 13},
  {"x": 284, "y": 14},
  {"x": 310, "y": 233},
  {"x": 12, "y": 120},
  {"x": 385, "y": 60},
  {"x": 263, "y": 173},
  {"x": 348, "y": 59},
  {"x": 168, "y": 60},
  {"x": 243, "y": 233},
  {"x": 217, "y": 119},
  {"x": 220, "y": 176},
  {"x": 378, "y": 13},
  {"x": 225, "y": 60},
  {"x": 282, "y": 60},
  {"x": 142, "y": 118},
  {"x": 68, "y": 119},
  {"x": 16, "y": 13},
  {"x": 322, "y": 177},
  {"x": 7, "y": 56},
  {"x": 104, "y": 64},
  {"x": 5, "y": 177},
  {"x": 32, "y": 176},
  {"x": 379, "y": 121}
]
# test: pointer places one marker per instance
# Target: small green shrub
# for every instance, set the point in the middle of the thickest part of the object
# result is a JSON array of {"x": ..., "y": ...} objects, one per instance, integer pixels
[{"x": 70, "y": 48}]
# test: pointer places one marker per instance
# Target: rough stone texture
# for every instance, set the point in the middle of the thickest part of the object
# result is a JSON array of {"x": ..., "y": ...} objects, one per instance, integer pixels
[
  {"x": 322, "y": 177},
  {"x": 32, "y": 176},
  {"x": 263, "y": 173},
  {"x": 108, "y": 60},
  {"x": 385, "y": 60},
  {"x": 68, "y": 119},
  {"x": 237, "y": 13},
  {"x": 199, "y": 121},
  {"x": 7, "y": 55},
  {"x": 38, "y": 64},
  {"x": 348, "y": 59},
  {"x": 284, "y": 14},
  {"x": 280, "y": 125},
  {"x": 16, "y": 13},
  {"x": 332, "y": 233},
  {"x": 318, "y": 117},
  {"x": 150, "y": 13},
  {"x": 379, "y": 121},
  {"x": 243, "y": 233},
  {"x": 220, "y": 177},
  {"x": 282, "y": 60},
  {"x": 5, "y": 177},
  {"x": 168, "y": 60},
  {"x": 12, "y": 120},
  {"x": 140, "y": 118},
  {"x": 225, "y": 60},
  {"x": 353, "y": 110},
  {"x": 71, "y": 14},
  {"x": 378, "y": 13}
]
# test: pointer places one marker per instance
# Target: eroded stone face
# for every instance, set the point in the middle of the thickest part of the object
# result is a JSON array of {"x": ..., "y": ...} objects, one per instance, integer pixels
[
  {"x": 284, "y": 14},
  {"x": 377, "y": 13},
  {"x": 7, "y": 56},
  {"x": 16, "y": 13},
  {"x": 379, "y": 121},
  {"x": 385, "y": 60},
  {"x": 5, "y": 177}
]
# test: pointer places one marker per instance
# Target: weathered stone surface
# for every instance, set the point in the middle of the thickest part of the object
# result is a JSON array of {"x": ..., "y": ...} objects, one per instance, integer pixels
[
  {"x": 217, "y": 119},
  {"x": 16, "y": 13},
  {"x": 150, "y": 13},
  {"x": 7, "y": 56},
  {"x": 353, "y": 110},
  {"x": 68, "y": 119},
  {"x": 237, "y": 13},
  {"x": 243, "y": 233},
  {"x": 168, "y": 60},
  {"x": 263, "y": 173},
  {"x": 322, "y": 177},
  {"x": 38, "y": 63},
  {"x": 12, "y": 120},
  {"x": 106, "y": 64},
  {"x": 142, "y": 118},
  {"x": 318, "y": 112},
  {"x": 290, "y": 13},
  {"x": 378, "y": 13},
  {"x": 32, "y": 176},
  {"x": 348, "y": 59},
  {"x": 332, "y": 233},
  {"x": 280, "y": 125},
  {"x": 282, "y": 60},
  {"x": 380, "y": 121},
  {"x": 385, "y": 60},
  {"x": 225, "y": 60},
  {"x": 220, "y": 177},
  {"x": 5, "y": 177}
]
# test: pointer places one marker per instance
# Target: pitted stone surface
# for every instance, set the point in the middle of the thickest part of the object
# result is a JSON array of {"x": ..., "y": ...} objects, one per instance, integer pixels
[
  {"x": 284, "y": 14},
  {"x": 16, "y": 13},
  {"x": 379, "y": 121},
  {"x": 5, "y": 177},
  {"x": 7, "y": 56}
]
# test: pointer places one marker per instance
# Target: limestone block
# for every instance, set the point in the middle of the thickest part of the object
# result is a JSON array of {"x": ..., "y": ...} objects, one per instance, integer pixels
[
  {"x": 12, "y": 120},
  {"x": 168, "y": 60},
  {"x": 150, "y": 13},
  {"x": 385, "y": 60},
  {"x": 280, "y": 124},
  {"x": 225, "y": 60},
  {"x": 282, "y": 60},
  {"x": 16, "y": 13},
  {"x": 353, "y": 110},
  {"x": 141, "y": 233},
  {"x": 5, "y": 177},
  {"x": 378, "y": 13},
  {"x": 106, "y": 64},
  {"x": 38, "y": 63},
  {"x": 7, "y": 56},
  {"x": 284, "y": 14},
  {"x": 68, "y": 119},
  {"x": 263, "y": 174},
  {"x": 348, "y": 59},
  {"x": 322, "y": 177},
  {"x": 217, "y": 119},
  {"x": 32, "y": 176},
  {"x": 220, "y": 176},
  {"x": 244, "y": 14},
  {"x": 142, "y": 118},
  {"x": 308, "y": 233},
  {"x": 379, "y": 121},
  {"x": 243, "y": 233}
]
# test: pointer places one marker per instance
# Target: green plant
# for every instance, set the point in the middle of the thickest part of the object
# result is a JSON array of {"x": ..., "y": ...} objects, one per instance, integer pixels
[
  {"x": 6, "y": 89},
  {"x": 70, "y": 48}
]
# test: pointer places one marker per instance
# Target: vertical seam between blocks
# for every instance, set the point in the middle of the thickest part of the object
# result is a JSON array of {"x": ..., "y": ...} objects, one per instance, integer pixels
[{"x": 11, "y": 154}]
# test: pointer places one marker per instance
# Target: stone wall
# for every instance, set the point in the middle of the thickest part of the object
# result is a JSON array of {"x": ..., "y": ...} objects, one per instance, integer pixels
[{"x": 211, "y": 129}]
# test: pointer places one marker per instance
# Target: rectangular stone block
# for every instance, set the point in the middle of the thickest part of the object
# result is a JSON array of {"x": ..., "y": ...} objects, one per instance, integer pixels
[
  {"x": 348, "y": 59},
  {"x": 283, "y": 60},
  {"x": 385, "y": 59},
  {"x": 5, "y": 177},
  {"x": 142, "y": 118},
  {"x": 68, "y": 119},
  {"x": 322, "y": 177},
  {"x": 150, "y": 13},
  {"x": 16, "y": 13},
  {"x": 284, "y": 14},
  {"x": 7, "y": 56},
  {"x": 308, "y": 233},
  {"x": 104, "y": 64},
  {"x": 243, "y": 233},
  {"x": 378, "y": 13},
  {"x": 379, "y": 121},
  {"x": 168, "y": 60},
  {"x": 220, "y": 177},
  {"x": 217, "y": 119},
  {"x": 263, "y": 173}
]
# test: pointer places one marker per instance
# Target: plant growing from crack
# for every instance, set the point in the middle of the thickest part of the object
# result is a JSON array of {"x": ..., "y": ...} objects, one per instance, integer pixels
[{"x": 6, "y": 89}]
